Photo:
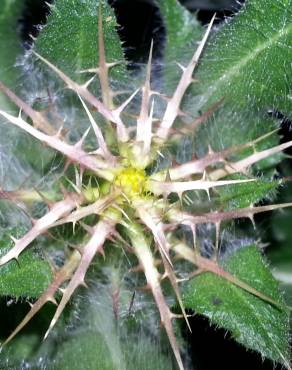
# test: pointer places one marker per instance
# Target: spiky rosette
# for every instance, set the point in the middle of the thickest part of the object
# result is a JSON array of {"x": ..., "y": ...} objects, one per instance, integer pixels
[{"x": 128, "y": 194}]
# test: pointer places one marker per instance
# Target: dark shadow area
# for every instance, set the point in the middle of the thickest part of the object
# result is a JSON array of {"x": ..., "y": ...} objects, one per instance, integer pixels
[
  {"x": 34, "y": 16},
  {"x": 140, "y": 22},
  {"x": 212, "y": 5},
  {"x": 205, "y": 9},
  {"x": 286, "y": 129},
  {"x": 13, "y": 312},
  {"x": 213, "y": 348}
]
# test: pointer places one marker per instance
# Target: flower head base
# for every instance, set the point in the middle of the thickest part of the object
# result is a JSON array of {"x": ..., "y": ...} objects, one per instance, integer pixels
[
  {"x": 124, "y": 174},
  {"x": 131, "y": 181}
]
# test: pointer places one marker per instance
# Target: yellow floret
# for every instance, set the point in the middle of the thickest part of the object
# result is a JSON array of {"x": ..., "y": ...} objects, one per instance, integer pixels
[{"x": 131, "y": 180}]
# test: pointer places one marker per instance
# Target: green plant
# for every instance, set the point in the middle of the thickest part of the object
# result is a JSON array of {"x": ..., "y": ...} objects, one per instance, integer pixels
[{"x": 147, "y": 179}]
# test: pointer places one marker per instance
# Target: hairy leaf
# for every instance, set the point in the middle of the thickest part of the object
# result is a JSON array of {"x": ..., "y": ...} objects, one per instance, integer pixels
[
  {"x": 246, "y": 194},
  {"x": 252, "y": 322},
  {"x": 248, "y": 60},
  {"x": 26, "y": 278},
  {"x": 10, "y": 13},
  {"x": 70, "y": 38},
  {"x": 233, "y": 128},
  {"x": 183, "y": 31},
  {"x": 99, "y": 341},
  {"x": 92, "y": 349}
]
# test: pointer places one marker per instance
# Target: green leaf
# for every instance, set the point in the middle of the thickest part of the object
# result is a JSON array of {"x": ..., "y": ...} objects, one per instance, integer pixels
[
  {"x": 13, "y": 169},
  {"x": 246, "y": 194},
  {"x": 70, "y": 38},
  {"x": 248, "y": 61},
  {"x": 231, "y": 129},
  {"x": 91, "y": 349},
  {"x": 88, "y": 349},
  {"x": 252, "y": 322},
  {"x": 26, "y": 278},
  {"x": 183, "y": 31},
  {"x": 10, "y": 46},
  {"x": 102, "y": 341},
  {"x": 25, "y": 150},
  {"x": 10, "y": 13}
]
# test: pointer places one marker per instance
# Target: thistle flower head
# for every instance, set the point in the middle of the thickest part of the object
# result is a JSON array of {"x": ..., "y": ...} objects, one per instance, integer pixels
[
  {"x": 131, "y": 181},
  {"x": 127, "y": 193}
]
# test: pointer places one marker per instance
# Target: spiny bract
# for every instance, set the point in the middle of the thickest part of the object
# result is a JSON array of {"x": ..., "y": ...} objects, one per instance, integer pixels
[{"x": 128, "y": 194}]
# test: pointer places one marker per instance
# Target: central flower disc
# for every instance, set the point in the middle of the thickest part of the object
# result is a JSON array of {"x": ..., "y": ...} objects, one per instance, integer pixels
[{"x": 131, "y": 180}]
